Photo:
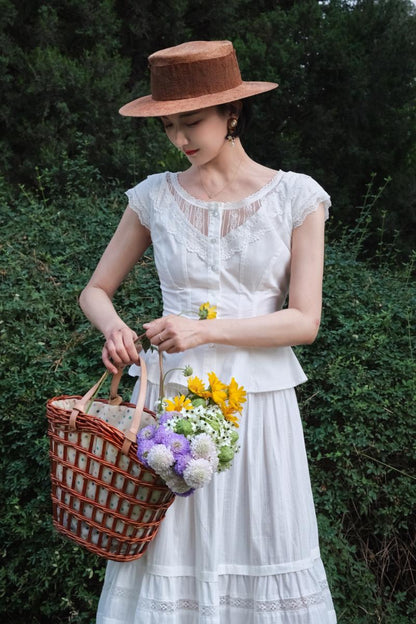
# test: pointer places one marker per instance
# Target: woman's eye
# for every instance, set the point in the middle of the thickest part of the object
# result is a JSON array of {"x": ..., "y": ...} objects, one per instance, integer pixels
[{"x": 194, "y": 123}]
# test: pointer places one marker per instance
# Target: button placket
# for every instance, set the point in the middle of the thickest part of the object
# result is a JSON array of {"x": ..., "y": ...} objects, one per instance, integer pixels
[
  {"x": 213, "y": 272},
  {"x": 214, "y": 228}
]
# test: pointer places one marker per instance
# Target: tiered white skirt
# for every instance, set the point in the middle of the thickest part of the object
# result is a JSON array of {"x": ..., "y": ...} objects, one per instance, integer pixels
[{"x": 242, "y": 550}]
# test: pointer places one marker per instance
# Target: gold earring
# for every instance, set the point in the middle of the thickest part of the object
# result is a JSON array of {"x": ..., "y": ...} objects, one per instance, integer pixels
[{"x": 232, "y": 125}]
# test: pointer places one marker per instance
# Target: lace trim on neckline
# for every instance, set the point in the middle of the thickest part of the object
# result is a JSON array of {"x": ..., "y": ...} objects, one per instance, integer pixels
[
  {"x": 173, "y": 181},
  {"x": 243, "y": 223}
]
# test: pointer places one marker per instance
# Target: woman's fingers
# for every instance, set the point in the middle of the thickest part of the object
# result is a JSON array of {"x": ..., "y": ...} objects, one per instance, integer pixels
[
  {"x": 155, "y": 331},
  {"x": 106, "y": 358},
  {"x": 120, "y": 349},
  {"x": 173, "y": 333}
]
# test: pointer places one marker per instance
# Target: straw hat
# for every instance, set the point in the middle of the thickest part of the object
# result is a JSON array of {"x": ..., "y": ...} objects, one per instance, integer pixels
[{"x": 193, "y": 75}]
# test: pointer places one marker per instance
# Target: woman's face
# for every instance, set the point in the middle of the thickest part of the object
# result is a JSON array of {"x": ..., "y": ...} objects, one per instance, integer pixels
[{"x": 199, "y": 134}]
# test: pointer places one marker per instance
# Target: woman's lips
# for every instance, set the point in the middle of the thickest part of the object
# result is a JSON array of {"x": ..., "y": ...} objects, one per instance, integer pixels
[{"x": 190, "y": 152}]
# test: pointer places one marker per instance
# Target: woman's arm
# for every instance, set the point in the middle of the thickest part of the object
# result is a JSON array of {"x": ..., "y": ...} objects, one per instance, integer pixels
[
  {"x": 128, "y": 244},
  {"x": 298, "y": 324}
]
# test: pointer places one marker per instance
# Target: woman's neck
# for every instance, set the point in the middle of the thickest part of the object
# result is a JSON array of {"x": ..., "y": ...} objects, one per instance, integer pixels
[
  {"x": 217, "y": 178},
  {"x": 230, "y": 177}
]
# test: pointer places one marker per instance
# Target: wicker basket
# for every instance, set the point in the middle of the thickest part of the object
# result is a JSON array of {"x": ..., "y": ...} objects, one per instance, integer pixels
[{"x": 103, "y": 497}]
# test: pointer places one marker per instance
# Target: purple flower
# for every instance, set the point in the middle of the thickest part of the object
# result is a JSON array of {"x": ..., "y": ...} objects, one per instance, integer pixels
[
  {"x": 163, "y": 418},
  {"x": 181, "y": 463},
  {"x": 179, "y": 444},
  {"x": 184, "y": 494},
  {"x": 147, "y": 433},
  {"x": 143, "y": 448},
  {"x": 163, "y": 435}
]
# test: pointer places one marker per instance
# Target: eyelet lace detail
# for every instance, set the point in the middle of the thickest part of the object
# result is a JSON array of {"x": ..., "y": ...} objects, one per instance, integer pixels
[
  {"x": 160, "y": 606},
  {"x": 247, "y": 604},
  {"x": 242, "y": 222}
]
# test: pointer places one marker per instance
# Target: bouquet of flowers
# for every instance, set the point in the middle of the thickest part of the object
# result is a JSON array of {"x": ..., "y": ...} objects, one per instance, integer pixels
[{"x": 195, "y": 434}]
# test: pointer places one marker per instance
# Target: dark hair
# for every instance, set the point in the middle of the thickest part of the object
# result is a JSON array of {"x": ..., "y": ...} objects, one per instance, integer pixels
[{"x": 244, "y": 117}]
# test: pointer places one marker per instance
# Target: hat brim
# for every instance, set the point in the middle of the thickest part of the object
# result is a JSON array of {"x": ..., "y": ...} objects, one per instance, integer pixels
[{"x": 148, "y": 107}]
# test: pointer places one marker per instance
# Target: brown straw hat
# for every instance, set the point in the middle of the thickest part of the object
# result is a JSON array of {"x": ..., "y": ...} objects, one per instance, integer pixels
[{"x": 193, "y": 75}]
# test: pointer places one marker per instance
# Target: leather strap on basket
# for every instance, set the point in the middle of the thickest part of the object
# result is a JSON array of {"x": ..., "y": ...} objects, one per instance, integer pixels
[
  {"x": 138, "y": 412},
  {"x": 115, "y": 398},
  {"x": 131, "y": 434},
  {"x": 161, "y": 376},
  {"x": 79, "y": 406}
]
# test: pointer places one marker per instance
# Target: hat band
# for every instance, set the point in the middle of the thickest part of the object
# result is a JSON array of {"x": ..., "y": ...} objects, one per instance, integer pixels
[{"x": 189, "y": 80}]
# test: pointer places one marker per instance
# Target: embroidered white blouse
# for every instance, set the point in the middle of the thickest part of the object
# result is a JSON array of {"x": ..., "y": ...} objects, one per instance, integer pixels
[{"x": 236, "y": 255}]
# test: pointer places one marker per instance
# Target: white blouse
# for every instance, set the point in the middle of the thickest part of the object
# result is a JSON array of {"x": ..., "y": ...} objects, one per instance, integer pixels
[{"x": 236, "y": 255}]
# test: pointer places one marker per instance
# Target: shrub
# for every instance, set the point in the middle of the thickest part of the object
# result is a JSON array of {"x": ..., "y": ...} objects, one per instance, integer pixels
[
  {"x": 49, "y": 250},
  {"x": 360, "y": 426},
  {"x": 358, "y": 406}
]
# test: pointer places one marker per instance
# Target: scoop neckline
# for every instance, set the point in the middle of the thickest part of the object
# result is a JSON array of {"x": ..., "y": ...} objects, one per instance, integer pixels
[{"x": 249, "y": 199}]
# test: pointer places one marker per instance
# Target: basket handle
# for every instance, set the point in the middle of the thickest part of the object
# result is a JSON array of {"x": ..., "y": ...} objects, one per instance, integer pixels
[{"x": 131, "y": 434}]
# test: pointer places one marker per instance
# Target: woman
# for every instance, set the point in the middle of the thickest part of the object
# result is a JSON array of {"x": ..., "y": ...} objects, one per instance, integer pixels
[{"x": 242, "y": 236}]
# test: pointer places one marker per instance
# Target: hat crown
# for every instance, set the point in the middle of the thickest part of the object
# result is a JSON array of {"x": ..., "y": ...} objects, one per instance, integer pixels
[
  {"x": 194, "y": 69},
  {"x": 191, "y": 51}
]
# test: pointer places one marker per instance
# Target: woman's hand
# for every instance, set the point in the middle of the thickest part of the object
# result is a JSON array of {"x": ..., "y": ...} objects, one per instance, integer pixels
[
  {"x": 120, "y": 349},
  {"x": 174, "y": 334}
]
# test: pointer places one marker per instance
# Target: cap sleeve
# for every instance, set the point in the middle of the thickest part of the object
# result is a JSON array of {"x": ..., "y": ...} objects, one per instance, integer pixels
[
  {"x": 307, "y": 198},
  {"x": 142, "y": 198}
]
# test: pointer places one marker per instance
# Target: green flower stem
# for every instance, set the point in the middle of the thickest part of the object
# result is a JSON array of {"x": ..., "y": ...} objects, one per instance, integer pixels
[{"x": 162, "y": 385}]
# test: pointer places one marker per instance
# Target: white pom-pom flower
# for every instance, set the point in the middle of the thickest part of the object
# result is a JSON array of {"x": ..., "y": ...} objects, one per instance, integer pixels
[
  {"x": 203, "y": 447},
  {"x": 177, "y": 484},
  {"x": 198, "y": 473},
  {"x": 160, "y": 458}
]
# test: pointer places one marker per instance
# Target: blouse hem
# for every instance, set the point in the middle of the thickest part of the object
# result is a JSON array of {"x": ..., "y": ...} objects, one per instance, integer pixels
[{"x": 235, "y": 569}]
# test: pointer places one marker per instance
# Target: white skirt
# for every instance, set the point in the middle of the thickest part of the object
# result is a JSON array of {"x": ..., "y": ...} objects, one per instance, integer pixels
[{"x": 243, "y": 549}]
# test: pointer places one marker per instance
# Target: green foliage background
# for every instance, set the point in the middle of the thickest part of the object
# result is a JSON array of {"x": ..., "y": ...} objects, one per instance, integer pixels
[{"x": 345, "y": 109}]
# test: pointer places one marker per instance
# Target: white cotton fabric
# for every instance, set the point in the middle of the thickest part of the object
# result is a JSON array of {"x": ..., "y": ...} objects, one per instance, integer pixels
[
  {"x": 243, "y": 549},
  {"x": 236, "y": 255}
]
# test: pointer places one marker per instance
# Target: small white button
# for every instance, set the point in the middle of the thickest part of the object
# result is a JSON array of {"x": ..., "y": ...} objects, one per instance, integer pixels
[
  {"x": 213, "y": 240},
  {"x": 214, "y": 267}
]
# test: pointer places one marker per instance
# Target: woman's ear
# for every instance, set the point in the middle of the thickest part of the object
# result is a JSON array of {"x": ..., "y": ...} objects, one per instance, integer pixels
[{"x": 235, "y": 107}]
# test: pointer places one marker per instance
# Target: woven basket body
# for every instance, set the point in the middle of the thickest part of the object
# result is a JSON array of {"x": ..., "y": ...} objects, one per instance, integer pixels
[{"x": 103, "y": 497}]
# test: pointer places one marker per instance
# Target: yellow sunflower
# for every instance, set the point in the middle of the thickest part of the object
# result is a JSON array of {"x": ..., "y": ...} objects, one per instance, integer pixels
[
  {"x": 218, "y": 390},
  {"x": 229, "y": 413},
  {"x": 178, "y": 403},
  {"x": 207, "y": 311},
  {"x": 236, "y": 395},
  {"x": 196, "y": 386}
]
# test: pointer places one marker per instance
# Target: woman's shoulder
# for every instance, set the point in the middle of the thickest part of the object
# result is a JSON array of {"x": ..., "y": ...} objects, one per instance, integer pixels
[
  {"x": 150, "y": 182},
  {"x": 292, "y": 185},
  {"x": 147, "y": 190},
  {"x": 304, "y": 194},
  {"x": 300, "y": 185},
  {"x": 143, "y": 197},
  {"x": 297, "y": 181}
]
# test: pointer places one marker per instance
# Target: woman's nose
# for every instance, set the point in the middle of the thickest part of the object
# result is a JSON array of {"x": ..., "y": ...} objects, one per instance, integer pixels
[{"x": 179, "y": 138}]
